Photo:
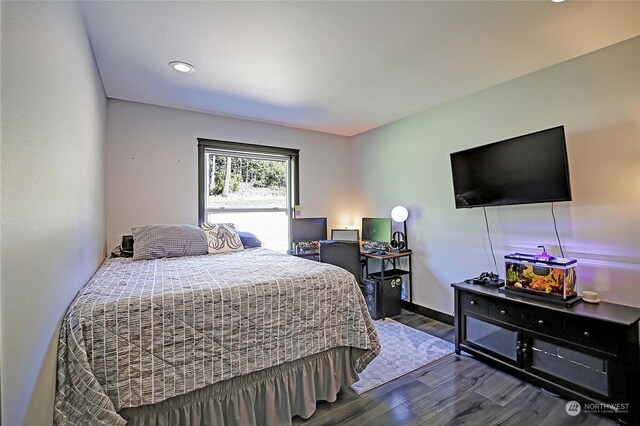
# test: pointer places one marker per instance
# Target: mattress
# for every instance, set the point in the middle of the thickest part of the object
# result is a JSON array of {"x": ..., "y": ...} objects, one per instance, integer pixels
[{"x": 141, "y": 332}]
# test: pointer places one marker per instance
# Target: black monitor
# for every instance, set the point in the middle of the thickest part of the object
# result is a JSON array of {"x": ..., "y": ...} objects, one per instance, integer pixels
[
  {"x": 376, "y": 229},
  {"x": 309, "y": 229}
]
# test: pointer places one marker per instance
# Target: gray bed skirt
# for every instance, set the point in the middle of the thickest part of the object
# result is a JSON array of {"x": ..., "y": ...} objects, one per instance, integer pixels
[{"x": 268, "y": 397}]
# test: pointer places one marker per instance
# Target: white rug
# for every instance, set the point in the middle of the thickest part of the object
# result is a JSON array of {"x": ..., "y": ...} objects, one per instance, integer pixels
[{"x": 404, "y": 349}]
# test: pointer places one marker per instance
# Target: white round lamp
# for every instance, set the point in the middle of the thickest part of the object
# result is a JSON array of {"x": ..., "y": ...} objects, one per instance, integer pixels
[{"x": 399, "y": 213}]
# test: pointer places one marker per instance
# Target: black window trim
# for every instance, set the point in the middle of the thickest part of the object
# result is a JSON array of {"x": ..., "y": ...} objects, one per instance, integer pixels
[{"x": 238, "y": 148}]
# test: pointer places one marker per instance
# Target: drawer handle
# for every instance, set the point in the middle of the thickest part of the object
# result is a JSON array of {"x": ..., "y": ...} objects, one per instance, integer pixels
[
  {"x": 503, "y": 312},
  {"x": 473, "y": 302},
  {"x": 540, "y": 322},
  {"x": 586, "y": 334}
]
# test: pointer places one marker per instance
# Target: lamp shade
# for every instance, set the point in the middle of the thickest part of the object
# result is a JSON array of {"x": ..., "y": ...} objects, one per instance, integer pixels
[{"x": 399, "y": 213}]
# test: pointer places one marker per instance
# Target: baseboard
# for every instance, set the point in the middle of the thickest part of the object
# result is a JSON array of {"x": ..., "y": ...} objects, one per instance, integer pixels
[{"x": 428, "y": 312}]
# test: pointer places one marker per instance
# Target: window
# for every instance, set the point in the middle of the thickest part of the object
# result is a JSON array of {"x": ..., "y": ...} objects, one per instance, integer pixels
[{"x": 253, "y": 186}]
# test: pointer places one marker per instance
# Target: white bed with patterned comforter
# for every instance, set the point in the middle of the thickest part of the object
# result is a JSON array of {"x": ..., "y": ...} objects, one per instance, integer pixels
[{"x": 141, "y": 332}]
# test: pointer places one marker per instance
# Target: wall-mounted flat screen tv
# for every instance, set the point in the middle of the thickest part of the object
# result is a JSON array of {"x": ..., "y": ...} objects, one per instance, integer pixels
[{"x": 526, "y": 169}]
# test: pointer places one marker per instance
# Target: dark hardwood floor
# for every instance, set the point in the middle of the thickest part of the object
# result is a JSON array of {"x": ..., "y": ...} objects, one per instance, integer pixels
[{"x": 453, "y": 390}]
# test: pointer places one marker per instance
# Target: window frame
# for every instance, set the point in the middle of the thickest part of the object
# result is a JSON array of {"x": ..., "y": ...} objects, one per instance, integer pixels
[{"x": 239, "y": 149}]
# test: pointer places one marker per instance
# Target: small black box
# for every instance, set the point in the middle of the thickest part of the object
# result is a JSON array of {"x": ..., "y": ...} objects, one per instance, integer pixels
[{"x": 383, "y": 299}]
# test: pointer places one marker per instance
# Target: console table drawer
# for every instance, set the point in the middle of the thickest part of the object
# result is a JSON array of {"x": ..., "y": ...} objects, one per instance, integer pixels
[
  {"x": 543, "y": 322},
  {"x": 595, "y": 334},
  {"x": 506, "y": 312},
  {"x": 471, "y": 302}
]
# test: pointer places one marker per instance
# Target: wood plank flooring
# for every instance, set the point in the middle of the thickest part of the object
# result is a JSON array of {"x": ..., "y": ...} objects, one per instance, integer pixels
[{"x": 454, "y": 390}]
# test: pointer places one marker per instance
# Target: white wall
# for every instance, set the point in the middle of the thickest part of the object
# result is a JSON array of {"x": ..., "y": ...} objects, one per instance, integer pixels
[
  {"x": 152, "y": 165},
  {"x": 52, "y": 221},
  {"x": 597, "y": 98}
]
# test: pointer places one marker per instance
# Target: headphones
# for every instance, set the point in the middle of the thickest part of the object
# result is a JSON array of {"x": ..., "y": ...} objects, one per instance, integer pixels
[{"x": 398, "y": 241}]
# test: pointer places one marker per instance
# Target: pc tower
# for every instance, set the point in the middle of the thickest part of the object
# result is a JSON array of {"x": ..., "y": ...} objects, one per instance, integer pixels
[{"x": 383, "y": 298}]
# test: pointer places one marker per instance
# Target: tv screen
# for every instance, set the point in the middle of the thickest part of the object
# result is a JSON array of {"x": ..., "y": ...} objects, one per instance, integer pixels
[
  {"x": 309, "y": 229},
  {"x": 526, "y": 169},
  {"x": 376, "y": 229}
]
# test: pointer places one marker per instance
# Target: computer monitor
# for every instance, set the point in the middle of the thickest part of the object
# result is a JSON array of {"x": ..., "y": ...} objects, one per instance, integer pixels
[
  {"x": 376, "y": 229},
  {"x": 345, "y": 235},
  {"x": 309, "y": 229}
]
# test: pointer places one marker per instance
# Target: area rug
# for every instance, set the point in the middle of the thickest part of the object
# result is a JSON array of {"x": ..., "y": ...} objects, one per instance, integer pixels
[{"x": 404, "y": 349}]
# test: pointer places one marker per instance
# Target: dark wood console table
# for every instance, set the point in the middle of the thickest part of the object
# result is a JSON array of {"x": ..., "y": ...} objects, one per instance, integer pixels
[{"x": 587, "y": 352}]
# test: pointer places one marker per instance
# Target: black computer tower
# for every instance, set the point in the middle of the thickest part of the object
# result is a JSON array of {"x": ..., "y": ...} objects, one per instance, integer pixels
[{"x": 383, "y": 298}]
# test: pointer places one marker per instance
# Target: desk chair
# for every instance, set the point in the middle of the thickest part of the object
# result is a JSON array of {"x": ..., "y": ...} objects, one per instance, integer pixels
[{"x": 345, "y": 254}]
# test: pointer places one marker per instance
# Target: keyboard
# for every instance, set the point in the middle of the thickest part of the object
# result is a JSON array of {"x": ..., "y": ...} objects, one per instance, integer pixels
[{"x": 374, "y": 252}]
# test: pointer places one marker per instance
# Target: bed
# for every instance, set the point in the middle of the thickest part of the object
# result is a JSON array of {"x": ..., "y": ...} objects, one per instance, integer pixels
[{"x": 249, "y": 337}]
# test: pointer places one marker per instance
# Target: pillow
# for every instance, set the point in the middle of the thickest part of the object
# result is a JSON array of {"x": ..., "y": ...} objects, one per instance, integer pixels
[
  {"x": 156, "y": 241},
  {"x": 249, "y": 240},
  {"x": 222, "y": 237}
]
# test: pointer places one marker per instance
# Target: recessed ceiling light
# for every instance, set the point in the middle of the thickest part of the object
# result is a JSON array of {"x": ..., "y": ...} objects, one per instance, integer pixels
[
  {"x": 182, "y": 67},
  {"x": 557, "y": 1}
]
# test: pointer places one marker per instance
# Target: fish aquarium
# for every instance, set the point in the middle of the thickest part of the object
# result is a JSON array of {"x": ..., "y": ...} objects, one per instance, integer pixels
[{"x": 542, "y": 275}]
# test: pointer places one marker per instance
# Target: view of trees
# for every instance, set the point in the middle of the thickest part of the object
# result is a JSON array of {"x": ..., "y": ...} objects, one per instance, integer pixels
[
  {"x": 233, "y": 175},
  {"x": 252, "y": 193}
]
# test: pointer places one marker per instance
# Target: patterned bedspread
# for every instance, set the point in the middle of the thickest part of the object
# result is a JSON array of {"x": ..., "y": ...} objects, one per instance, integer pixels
[{"x": 141, "y": 332}]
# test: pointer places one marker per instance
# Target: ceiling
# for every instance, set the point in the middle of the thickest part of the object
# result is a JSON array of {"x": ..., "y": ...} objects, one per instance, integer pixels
[{"x": 337, "y": 67}]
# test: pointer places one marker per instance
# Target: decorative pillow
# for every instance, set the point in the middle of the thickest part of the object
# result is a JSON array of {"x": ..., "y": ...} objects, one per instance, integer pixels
[
  {"x": 156, "y": 241},
  {"x": 222, "y": 237},
  {"x": 249, "y": 240}
]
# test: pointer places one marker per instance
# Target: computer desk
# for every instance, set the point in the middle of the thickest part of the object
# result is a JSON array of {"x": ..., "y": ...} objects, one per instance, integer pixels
[{"x": 388, "y": 259}]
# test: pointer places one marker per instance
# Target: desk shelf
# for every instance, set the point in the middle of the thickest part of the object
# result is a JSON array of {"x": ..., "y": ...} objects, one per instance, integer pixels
[
  {"x": 389, "y": 273},
  {"x": 383, "y": 296}
]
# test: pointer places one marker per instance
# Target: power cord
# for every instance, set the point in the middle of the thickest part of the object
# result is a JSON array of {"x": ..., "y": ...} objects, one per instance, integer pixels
[
  {"x": 486, "y": 221},
  {"x": 555, "y": 226}
]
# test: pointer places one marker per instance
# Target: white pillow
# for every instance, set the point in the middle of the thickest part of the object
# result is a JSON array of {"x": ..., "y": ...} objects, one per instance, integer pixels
[{"x": 222, "y": 237}]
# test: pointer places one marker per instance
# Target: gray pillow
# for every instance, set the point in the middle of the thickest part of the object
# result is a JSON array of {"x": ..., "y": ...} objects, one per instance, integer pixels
[{"x": 156, "y": 241}]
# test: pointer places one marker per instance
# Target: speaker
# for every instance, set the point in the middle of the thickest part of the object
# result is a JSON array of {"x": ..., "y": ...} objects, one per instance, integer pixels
[{"x": 384, "y": 299}]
